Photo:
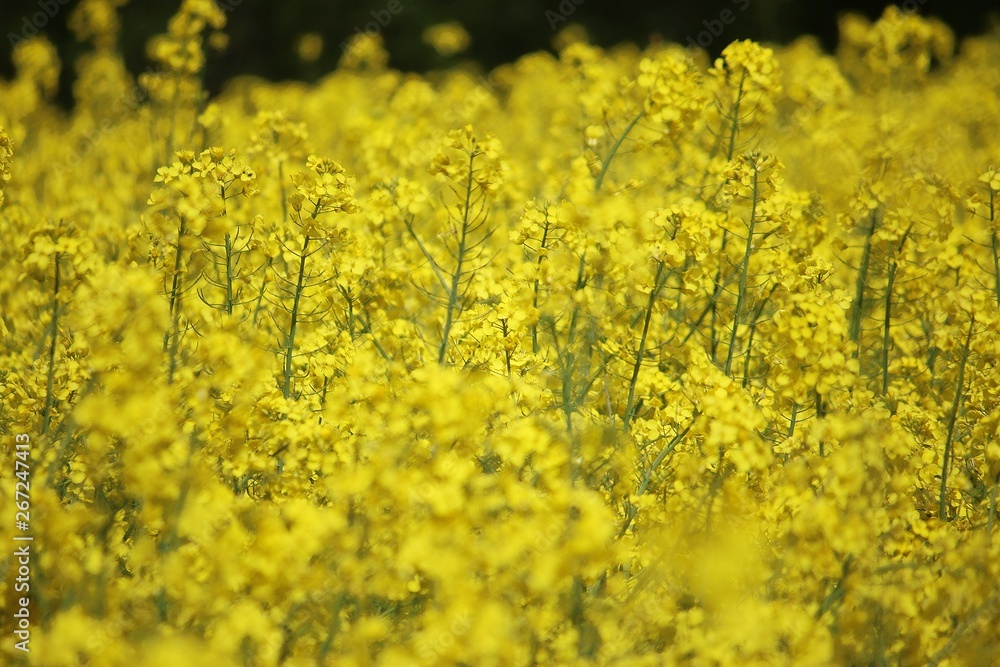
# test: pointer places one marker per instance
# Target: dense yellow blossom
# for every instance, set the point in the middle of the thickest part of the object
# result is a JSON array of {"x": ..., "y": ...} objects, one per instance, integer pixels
[{"x": 617, "y": 357}]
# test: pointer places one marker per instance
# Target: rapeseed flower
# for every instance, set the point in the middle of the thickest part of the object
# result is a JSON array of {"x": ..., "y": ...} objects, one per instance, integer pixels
[{"x": 607, "y": 357}]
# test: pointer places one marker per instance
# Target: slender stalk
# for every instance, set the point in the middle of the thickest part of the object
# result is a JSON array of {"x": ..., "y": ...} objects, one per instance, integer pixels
[
  {"x": 263, "y": 289},
  {"x": 713, "y": 306},
  {"x": 744, "y": 270},
  {"x": 284, "y": 195},
  {"x": 175, "y": 345},
  {"x": 857, "y": 305},
  {"x": 569, "y": 360},
  {"x": 838, "y": 591},
  {"x": 50, "y": 376},
  {"x": 334, "y": 628},
  {"x": 648, "y": 475},
  {"x": 996, "y": 263},
  {"x": 614, "y": 149},
  {"x": 886, "y": 324},
  {"x": 229, "y": 274},
  {"x": 735, "y": 125},
  {"x": 293, "y": 325},
  {"x": 961, "y": 629},
  {"x": 887, "y": 314},
  {"x": 350, "y": 313},
  {"x": 641, "y": 352},
  {"x": 995, "y": 247},
  {"x": 175, "y": 287},
  {"x": 991, "y": 516},
  {"x": 732, "y": 117},
  {"x": 229, "y": 255},
  {"x": 952, "y": 420},
  {"x": 718, "y": 478},
  {"x": 456, "y": 277},
  {"x": 538, "y": 266},
  {"x": 170, "y": 339},
  {"x": 507, "y": 353},
  {"x": 753, "y": 331}
]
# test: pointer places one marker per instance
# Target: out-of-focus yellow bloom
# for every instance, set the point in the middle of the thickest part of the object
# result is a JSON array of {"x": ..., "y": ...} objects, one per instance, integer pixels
[
  {"x": 309, "y": 47},
  {"x": 447, "y": 38}
]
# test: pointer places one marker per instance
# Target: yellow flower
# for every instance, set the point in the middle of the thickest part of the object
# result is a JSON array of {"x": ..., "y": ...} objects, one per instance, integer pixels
[
  {"x": 328, "y": 189},
  {"x": 447, "y": 38},
  {"x": 309, "y": 47}
]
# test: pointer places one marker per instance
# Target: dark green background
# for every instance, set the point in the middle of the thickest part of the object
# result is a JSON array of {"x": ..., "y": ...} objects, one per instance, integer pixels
[{"x": 262, "y": 32}]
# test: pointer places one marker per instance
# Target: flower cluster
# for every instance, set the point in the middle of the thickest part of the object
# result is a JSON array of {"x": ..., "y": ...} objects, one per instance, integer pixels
[
  {"x": 328, "y": 189},
  {"x": 674, "y": 97},
  {"x": 488, "y": 173},
  {"x": 214, "y": 164}
]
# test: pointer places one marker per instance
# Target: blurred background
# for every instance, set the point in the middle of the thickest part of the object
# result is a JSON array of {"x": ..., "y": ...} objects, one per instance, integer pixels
[{"x": 302, "y": 39}]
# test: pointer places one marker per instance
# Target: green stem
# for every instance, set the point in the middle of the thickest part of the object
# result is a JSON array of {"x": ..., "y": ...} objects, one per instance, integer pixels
[
  {"x": 50, "y": 377},
  {"x": 648, "y": 476},
  {"x": 886, "y": 324},
  {"x": 293, "y": 325},
  {"x": 753, "y": 331},
  {"x": 887, "y": 315},
  {"x": 170, "y": 339},
  {"x": 990, "y": 517},
  {"x": 284, "y": 195},
  {"x": 744, "y": 270},
  {"x": 792, "y": 420},
  {"x": 538, "y": 266},
  {"x": 837, "y": 592},
  {"x": 263, "y": 289},
  {"x": 175, "y": 344},
  {"x": 229, "y": 255},
  {"x": 952, "y": 420},
  {"x": 507, "y": 352},
  {"x": 995, "y": 247},
  {"x": 567, "y": 361},
  {"x": 857, "y": 306},
  {"x": 350, "y": 313},
  {"x": 334, "y": 628},
  {"x": 229, "y": 274},
  {"x": 641, "y": 352},
  {"x": 961, "y": 629},
  {"x": 995, "y": 243},
  {"x": 175, "y": 282},
  {"x": 735, "y": 125},
  {"x": 456, "y": 277},
  {"x": 614, "y": 149}
]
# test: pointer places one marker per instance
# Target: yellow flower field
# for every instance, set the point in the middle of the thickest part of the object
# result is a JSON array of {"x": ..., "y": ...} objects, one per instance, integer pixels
[{"x": 615, "y": 357}]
